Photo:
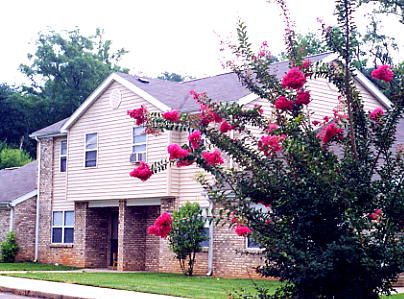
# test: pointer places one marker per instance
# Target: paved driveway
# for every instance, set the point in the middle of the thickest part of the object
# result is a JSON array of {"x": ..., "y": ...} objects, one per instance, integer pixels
[{"x": 11, "y": 296}]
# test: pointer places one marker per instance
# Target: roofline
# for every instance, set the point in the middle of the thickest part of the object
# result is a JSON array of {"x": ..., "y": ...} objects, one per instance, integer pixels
[
  {"x": 23, "y": 198},
  {"x": 56, "y": 134},
  {"x": 100, "y": 89},
  {"x": 369, "y": 85}
]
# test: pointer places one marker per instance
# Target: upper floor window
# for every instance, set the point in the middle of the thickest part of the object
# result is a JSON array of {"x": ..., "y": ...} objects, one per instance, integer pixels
[
  {"x": 63, "y": 156},
  {"x": 138, "y": 144},
  {"x": 91, "y": 150},
  {"x": 63, "y": 227}
]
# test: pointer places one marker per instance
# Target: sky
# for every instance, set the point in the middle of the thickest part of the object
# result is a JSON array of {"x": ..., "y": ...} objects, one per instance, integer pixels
[{"x": 181, "y": 36}]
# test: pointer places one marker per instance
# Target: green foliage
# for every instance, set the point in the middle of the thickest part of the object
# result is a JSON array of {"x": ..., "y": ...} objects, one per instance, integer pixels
[
  {"x": 171, "y": 77},
  {"x": 308, "y": 44},
  {"x": 186, "y": 235},
  {"x": 9, "y": 248},
  {"x": 13, "y": 157}
]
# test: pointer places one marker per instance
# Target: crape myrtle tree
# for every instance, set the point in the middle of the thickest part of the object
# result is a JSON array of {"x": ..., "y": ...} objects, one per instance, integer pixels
[{"x": 333, "y": 189}]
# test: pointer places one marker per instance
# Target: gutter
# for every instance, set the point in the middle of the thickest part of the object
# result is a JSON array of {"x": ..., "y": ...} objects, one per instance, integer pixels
[{"x": 11, "y": 226}]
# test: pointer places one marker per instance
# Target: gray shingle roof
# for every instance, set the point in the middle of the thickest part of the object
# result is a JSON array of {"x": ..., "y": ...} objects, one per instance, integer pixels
[
  {"x": 17, "y": 182},
  {"x": 53, "y": 129},
  {"x": 224, "y": 87}
]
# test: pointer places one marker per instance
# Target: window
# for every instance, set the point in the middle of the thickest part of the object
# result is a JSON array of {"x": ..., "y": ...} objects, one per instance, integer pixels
[
  {"x": 250, "y": 242},
  {"x": 91, "y": 150},
  {"x": 63, "y": 156},
  {"x": 63, "y": 227},
  {"x": 205, "y": 215},
  {"x": 139, "y": 145}
]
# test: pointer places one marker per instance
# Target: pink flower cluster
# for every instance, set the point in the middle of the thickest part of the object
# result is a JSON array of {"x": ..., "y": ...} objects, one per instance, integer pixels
[
  {"x": 376, "y": 215},
  {"x": 172, "y": 115},
  {"x": 162, "y": 226},
  {"x": 271, "y": 144},
  {"x": 294, "y": 79},
  {"x": 195, "y": 138},
  {"x": 142, "y": 172},
  {"x": 376, "y": 114},
  {"x": 139, "y": 114},
  {"x": 176, "y": 151},
  {"x": 225, "y": 127},
  {"x": 329, "y": 132},
  {"x": 284, "y": 104},
  {"x": 213, "y": 158},
  {"x": 208, "y": 115},
  {"x": 242, "y": 230},
  {"x": 383, "y": 73}
]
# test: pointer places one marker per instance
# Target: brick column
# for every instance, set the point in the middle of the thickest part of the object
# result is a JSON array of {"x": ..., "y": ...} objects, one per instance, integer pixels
[
  {"x": 45, "y": 165},
  {"x": 121, "y": 234}
]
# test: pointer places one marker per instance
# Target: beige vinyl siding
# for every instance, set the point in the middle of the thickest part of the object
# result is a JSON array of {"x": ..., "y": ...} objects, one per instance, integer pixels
[
  {"x": 59, "y": 202},
  {"x": 325, "y": 98},
  {"x": 175, "y": 172},
  {"x": 110, "y": 178}
]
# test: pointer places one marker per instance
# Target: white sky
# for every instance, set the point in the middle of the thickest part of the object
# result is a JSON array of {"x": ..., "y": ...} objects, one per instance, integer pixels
[{"x": 162, "y": 35}]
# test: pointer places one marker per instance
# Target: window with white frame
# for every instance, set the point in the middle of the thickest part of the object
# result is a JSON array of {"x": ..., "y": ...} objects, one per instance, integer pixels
[
  {"x": 206, "y": 215},
  {"x": 139, "y": 146},
  {"x": 91, "y": 150},
  {"x": 63, "y": 227},
  {"x": 63, "y": 156},
  {"x": 250, "y": 242}
]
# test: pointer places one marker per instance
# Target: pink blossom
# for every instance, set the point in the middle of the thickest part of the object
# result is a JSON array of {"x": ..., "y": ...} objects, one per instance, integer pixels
[
  {"x": 172, "y": 115},
  {"x": 305, "y": 64},
  {"x": 383, "y": 73},
  {"x": 272, "y": 127},
  {"x": 270, "y": 144},
  {"x": 242, "y": 230},
  {"x": 225, "y": 127},
  {"x": 259, "y": 109},
  {"x": 294, "y": 79},
  {"x": 139, "y": 114},
  {"x": 213, "y": 158},
  {"x": 329, "y": 132},
  {"x": 141, "y": 172},
  {"x": 176, "y": 151},
  {"x": 197, "y": 95},
  {"x": 282, "y": 103},
  {"x": 185, "y": 162},
  {"x": 208, "y": 115},
  {"x": 162, "y": 226},
  {"x": 303, "y": 98},
  {"x": 376, "y": 114},
  {"x": 195, "y": 139}
]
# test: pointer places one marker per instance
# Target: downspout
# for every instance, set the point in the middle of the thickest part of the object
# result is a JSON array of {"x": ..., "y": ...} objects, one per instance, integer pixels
[
  {"x": 36, "y": 255},
  {"x": 11, "y": 226},
  {"x": 211, "y": 235}
]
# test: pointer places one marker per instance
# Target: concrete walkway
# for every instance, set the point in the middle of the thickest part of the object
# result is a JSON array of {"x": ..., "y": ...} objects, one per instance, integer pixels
[{"x": 59, "y": 290}]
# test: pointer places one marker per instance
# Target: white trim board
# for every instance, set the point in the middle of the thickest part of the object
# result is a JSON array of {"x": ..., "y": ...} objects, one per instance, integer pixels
[
  {"x": 23, "y": 198},
  {"x": 104, "y": 85},
  {"x": 129, "y": 203}
]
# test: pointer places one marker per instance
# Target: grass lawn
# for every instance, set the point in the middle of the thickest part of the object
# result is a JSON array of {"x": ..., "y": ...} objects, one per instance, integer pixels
[
  {"x": 33, "y": 267},
  {"x": 159, "y": 283}
]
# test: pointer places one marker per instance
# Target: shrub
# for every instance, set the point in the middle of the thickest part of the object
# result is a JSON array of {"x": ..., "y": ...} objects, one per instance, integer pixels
[
  {"x": 9, "y": 248},
  {"x": 185, "y": 234}
]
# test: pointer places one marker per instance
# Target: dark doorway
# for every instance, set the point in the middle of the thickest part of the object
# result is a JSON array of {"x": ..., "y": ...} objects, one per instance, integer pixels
[{"x": 114, "y": 240}]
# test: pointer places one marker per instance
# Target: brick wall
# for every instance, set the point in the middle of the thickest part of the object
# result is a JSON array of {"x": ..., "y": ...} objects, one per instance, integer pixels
[
  {"x": 24, "y": 228},
  {"x": 152, "y": 246},
  {"x": 4, "y": 223}
]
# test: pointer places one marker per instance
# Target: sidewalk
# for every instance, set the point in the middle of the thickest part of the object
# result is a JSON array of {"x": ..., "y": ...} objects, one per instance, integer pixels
[{"x": 59, "y": 290}]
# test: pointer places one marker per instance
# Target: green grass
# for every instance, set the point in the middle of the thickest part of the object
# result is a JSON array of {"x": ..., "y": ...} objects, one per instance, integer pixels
[
  {"x": 161, "y": 283},
  {"x": 33, "y": 267},
  {"x": 158, "y": 283}
]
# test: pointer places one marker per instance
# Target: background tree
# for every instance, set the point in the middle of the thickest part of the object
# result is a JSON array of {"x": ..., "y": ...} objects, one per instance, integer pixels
[
  {"x": 307, "y": 45},
  {"x": 13, "y": 157},
  {"x": 173, "y": 77}
]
